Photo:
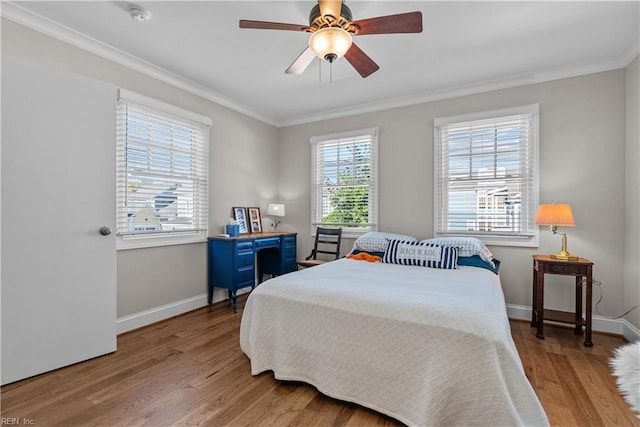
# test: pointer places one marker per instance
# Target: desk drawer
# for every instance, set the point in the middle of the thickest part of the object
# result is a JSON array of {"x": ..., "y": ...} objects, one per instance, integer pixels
[
  {"x": 289, "y": 240},
  {"x": 245, "y": 274},
  {"x": 245, "y": 246},
  {"x": 569, "y": 270},
  {"x": 289, "y": 252},
  {"x": 271, "y": 242},
  {"x": 245, "y": 259}
]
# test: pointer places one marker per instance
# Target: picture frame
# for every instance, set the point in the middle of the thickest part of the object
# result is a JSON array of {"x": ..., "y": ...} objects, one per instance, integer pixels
[
  {"x": 240, "y": 215},
  {"x": 255, "y": 220}
]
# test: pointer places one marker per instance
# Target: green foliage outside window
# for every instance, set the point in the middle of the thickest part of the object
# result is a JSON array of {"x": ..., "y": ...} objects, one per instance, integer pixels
[{"x": 349, "y": 196}]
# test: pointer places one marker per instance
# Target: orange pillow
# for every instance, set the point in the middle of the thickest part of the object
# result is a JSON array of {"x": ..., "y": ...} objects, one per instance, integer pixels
[{"x": 363, "y": 256}]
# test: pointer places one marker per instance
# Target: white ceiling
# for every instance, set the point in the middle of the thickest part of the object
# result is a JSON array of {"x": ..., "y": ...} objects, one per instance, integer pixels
[{"x": 465, "y": 47}]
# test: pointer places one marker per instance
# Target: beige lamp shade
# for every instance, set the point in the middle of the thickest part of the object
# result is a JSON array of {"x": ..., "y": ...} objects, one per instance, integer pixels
[{"x": 555, "y": 214}]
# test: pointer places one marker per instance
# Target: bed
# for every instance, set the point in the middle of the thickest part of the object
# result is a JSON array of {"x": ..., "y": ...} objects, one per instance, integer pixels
[{"x": 423, "y": 345}]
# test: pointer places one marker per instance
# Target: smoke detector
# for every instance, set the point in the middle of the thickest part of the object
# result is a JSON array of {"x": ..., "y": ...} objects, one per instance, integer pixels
[{"x": 138, "y": 14}]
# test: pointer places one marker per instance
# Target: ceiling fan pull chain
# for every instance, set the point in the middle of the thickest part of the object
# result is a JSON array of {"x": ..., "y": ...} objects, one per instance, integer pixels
[{"x": 319, "y": 70}]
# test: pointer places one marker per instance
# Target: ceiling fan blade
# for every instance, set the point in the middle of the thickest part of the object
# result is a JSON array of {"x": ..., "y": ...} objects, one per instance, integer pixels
[
  {"x": 361, "y": 61},
  {"x": 263, "y": 25},
  {"x": 302, "y": 62},
  {"x": 330, "y": 7},
  {"x": 410, "y": 22}
]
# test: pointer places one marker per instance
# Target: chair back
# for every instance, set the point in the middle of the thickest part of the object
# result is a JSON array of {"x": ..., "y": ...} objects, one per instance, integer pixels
[{"x": 327, "y": 242}]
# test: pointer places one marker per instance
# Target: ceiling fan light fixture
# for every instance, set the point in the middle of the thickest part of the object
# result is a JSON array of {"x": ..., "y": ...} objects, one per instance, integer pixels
[{"x": 330, "y": 43}]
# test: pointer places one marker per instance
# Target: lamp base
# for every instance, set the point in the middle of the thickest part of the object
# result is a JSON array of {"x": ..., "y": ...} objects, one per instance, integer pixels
[{"x": 564, "y": 256}]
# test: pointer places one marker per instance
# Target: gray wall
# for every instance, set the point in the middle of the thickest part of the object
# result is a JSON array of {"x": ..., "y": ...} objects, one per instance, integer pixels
[
  {"x": 589, "y": 158},
  {"x": 243, "y": 168},
  {"x": 632, "y": 194},
  {"x": 582, "y": 157}
]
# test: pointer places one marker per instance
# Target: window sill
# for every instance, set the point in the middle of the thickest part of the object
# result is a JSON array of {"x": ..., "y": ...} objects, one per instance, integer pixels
[
  {"x": 512, "y": 241},
  {"x": 353, "y": 234},
  {"x": 347, "y": 233},
  {"x": 141, "y": 242}
]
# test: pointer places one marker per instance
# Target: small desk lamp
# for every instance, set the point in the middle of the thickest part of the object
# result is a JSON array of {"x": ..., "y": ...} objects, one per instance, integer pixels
[
  {"x": 275, "y": 209},
  {"x": 555, "y": 215}
]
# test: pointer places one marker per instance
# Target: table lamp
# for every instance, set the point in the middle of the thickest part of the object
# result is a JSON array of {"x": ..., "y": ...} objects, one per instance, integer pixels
[
  {"x": 555, "y": 215},
  {"x": 275, "y": 209}
]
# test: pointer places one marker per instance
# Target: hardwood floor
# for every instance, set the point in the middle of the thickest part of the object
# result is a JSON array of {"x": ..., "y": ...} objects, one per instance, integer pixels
[{"x": 190, "y": 370}]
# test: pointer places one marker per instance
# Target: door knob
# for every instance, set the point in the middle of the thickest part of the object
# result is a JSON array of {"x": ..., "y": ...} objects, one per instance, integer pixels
[{"x": 105, "y": 231}]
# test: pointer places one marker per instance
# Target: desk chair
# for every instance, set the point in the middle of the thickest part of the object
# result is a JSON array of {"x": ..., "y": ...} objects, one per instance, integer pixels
[{"x": 328, "y": 243}]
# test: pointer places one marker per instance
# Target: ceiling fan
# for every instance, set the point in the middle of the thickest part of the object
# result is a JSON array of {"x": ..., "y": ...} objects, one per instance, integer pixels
[{"x": 331, "y": 27}]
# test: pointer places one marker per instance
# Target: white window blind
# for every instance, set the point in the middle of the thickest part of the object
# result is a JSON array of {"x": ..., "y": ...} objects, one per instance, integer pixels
[
  {"x": 486, "y": 176},
  {"x": 344, "y": 180},
  {"x": 162, "y": 173}
]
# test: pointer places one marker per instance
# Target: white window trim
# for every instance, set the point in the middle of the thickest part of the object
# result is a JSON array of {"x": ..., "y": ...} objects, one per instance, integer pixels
[
  {"x": 502, "y": 240},
  {"x": 373, "y": 212},
  {"x": 138, "y": 241}
]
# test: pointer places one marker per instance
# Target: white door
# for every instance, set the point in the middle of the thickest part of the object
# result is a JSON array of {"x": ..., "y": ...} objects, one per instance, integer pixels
[{"x": 58, "y": 190}]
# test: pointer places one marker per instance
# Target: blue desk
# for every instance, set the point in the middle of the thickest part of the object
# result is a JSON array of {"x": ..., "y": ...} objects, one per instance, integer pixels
[{"x": 233, "y": 261}]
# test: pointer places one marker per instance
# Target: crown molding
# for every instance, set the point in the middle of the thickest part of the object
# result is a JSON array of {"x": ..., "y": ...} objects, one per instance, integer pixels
[
  {"x": 465, "y": 90},
  {"x": 19, "y": 15},
  {"x": 24, "y": 17},
  {"x": 631, "y": 53}
]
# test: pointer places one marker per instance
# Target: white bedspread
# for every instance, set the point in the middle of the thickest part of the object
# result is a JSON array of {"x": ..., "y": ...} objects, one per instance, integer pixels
[{"x": 425, "y": 346}]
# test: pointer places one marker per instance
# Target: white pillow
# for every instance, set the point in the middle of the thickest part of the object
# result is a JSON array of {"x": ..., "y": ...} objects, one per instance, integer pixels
[
  {"x": 467, "y": 246},
  {"x": 376, "y": 241}
]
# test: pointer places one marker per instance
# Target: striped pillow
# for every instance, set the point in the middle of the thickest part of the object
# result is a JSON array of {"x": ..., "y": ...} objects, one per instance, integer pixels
[{"x": 421, "y": 254}]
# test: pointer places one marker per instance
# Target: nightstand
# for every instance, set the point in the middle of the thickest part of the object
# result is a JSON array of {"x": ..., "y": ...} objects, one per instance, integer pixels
[{"x": 582, "y": 269}]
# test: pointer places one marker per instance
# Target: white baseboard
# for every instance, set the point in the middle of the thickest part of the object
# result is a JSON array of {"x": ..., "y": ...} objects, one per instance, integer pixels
[
  {"x": 156, "y": 314},
  {"x": 520, "y": 312},
  {"x": 600, "y": 324},
  {"x": 630, "y": 332}
]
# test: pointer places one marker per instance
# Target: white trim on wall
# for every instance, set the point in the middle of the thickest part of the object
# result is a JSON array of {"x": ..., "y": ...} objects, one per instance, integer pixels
[
  {"x": 50, "y": 28},
  {"x": 517, "y": 312},
  {"x": 600, "y": 324},
  {"x": 19, "y": 15},
  {"x": 163, "y": 312},
  {"x": 156, "y": 314}
]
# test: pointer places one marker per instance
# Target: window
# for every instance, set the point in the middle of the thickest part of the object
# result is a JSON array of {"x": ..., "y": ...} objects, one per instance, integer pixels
[
  {"x": 162, "y": 173},
  {"x": 486, "y": 176},
  {"x": 344, "y": 180}
]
